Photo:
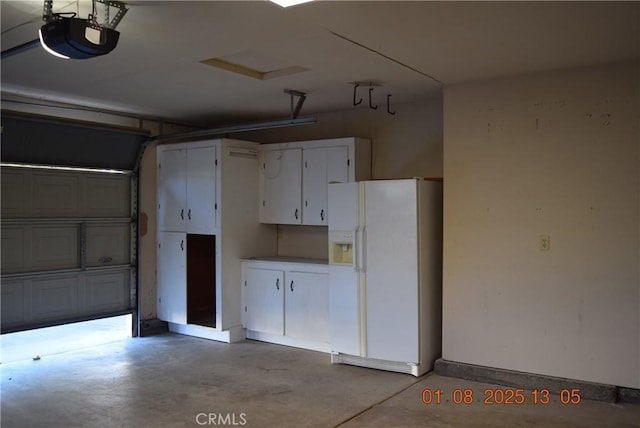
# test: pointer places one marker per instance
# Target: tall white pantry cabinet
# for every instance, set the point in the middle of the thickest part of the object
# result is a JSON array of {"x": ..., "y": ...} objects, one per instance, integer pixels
[{"x": 207, "y": 223}]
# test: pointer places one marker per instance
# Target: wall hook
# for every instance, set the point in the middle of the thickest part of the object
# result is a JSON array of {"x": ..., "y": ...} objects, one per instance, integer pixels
[
  {"x": 388, "y": 109},
  {"x": 354, "y": 95},
  {"x": 371, "y": 105}
]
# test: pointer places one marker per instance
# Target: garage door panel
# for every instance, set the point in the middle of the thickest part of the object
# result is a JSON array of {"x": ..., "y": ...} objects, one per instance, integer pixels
[
  {"x": 107, "y": 196},
  {"x": 55, "y": 247},
  {"x": 55, "y": 195},
  {"x": 45, "y": 298},
  {"x": 12, "y": 302},
  {"x": 108, "y": 245},
  {"x": 14, "y": 184},
  {"x": 64, "y": 194},
  {"x": 105, "y": 292},
  {"x": 53, "y": 298},
  {"x": 13, "y": 250}
]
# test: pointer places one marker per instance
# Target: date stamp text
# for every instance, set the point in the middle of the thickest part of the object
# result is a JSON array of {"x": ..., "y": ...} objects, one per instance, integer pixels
[{"x": 500, "y": 396}]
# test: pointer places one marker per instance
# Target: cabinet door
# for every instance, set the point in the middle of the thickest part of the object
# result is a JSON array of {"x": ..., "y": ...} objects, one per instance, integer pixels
[
  {"x": 338, "y": 164},
  {"x": 201, "y": 190},
  {"x": 321, "y": 167},
  {"x": 307, "y": 306},
  {"x": 264, "y": 300},
  {"x": 281, "y": 186},
  {"x": 172, "y": 190},
  {"x": 172, "y": 277},
  {"x": 314, "y": 187}
]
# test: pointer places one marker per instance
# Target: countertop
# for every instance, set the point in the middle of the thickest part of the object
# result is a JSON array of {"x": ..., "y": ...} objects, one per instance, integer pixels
[{"x": 283, "y": 259}]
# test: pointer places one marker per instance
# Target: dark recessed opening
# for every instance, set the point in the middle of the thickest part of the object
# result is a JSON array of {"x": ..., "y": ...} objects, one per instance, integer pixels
[{"x": 201, "y": 280}]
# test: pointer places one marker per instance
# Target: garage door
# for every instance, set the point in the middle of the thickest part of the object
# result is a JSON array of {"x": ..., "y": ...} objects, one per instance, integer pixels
[
  {"x": 66, "y": 246},
  {"x": 68, "y": 233}
]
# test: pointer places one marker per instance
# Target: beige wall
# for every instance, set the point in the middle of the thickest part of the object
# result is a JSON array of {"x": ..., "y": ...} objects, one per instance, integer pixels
[
  {"x": 547, "y": 154},
  {"x": 407, "y": 144}
]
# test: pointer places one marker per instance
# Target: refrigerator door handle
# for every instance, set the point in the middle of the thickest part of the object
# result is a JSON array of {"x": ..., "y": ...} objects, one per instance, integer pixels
[
  {"x": 356, "y": 249},
  {"x": 362, "y": 242},
  {"x": 363, "y": 249}
]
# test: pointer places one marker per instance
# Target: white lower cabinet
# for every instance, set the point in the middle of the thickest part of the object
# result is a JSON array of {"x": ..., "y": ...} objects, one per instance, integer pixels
[
  {"x": 306, "y": 306},
  {"x": 263, "y": 294},
  {"x": 286, "y": 303},
  {"x": 172, "y": 273}
]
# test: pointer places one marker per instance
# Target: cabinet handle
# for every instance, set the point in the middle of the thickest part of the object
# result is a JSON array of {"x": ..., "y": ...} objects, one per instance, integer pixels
[
  {"x": 277, "y": 283},
  {"x": 322, "y": 215},
  {"x": 182, "y": 214},
  {"x": 291, "y": 286},
  {"x": 296, "y": 213},
  {"x": 189, "y": 214},
  {"x": 182, "y": 245}
]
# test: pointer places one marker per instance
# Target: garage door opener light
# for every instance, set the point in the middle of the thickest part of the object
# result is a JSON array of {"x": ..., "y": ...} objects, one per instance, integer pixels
[{"x": 287, "y": 3}]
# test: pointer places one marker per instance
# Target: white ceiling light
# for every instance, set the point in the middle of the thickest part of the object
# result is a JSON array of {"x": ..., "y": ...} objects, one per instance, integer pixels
[
  {"x": 48, "y": 49},
  {"x": 287, "y": 3}
]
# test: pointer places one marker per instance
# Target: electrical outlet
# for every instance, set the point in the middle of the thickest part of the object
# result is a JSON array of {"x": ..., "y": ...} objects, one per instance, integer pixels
[{"x": 545, "y": 243}]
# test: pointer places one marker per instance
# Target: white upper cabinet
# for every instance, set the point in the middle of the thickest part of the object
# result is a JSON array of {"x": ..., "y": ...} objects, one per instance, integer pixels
[
  {"x": 187, "y": 190},
  {"x": 281, "y": 186},
  {"x": 294, "y": 177},
  {"x": 172, "y": 189},
  {"x": 201, "y": 190},
  {"x": 321, "y": 166}
]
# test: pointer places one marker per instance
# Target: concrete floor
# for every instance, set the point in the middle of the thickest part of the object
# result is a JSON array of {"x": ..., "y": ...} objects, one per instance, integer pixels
[
  {"x": 63, "y": 338},
  {"x": 178, "y": 381}
]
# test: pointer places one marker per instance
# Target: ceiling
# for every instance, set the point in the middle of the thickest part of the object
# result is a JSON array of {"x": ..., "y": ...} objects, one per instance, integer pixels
[{"x": 409, "y": 49}]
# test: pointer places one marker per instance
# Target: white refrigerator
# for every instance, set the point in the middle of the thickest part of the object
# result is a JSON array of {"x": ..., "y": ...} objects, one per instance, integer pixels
[{"x": 385, "y": 274}]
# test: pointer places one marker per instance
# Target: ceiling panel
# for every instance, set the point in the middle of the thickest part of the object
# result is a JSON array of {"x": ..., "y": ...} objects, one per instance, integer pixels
[{"x": 155, "y": 70}]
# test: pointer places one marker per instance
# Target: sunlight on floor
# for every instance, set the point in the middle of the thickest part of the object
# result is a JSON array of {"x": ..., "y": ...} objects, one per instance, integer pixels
[{"x": 69, "y": 337}]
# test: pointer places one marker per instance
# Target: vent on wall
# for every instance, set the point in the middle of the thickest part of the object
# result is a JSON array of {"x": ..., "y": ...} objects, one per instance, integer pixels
[{"x": 242, "y": 152}]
